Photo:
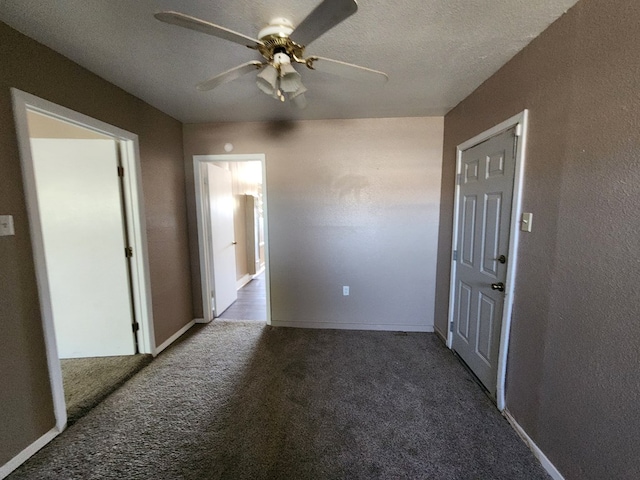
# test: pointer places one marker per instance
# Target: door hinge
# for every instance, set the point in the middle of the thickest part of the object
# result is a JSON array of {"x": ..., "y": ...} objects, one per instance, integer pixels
[
  {"x": 120, "y": 171},
  {"x": 451, "y": 327},
  {"x": 128, "y": 252},
  {"x": 459, "y": 179},
  {"x": 455, "y": 255},
  {"x": 519, "y": 130},
  {"x": 135, "y": 326}
]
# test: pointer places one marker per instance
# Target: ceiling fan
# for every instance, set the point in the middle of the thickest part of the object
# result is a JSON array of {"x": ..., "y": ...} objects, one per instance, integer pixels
[{"x": 281, "y": 45}]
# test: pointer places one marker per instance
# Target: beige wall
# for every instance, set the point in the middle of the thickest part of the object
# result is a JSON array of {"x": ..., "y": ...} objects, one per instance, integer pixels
[
  {"x": 350, "y": 202},
  {"x": 25, "y": 395},
  {"x": 43, "y": 126},
  {"x": 573, "y": 380}
]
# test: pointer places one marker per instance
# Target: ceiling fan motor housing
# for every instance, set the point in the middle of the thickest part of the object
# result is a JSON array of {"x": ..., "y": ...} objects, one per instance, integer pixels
[
  {"x": 280, "y": 27},
  {"x": 275, "y": 39}
]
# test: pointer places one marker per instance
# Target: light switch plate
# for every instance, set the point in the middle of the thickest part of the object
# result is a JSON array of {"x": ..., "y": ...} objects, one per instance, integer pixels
[
  {"x": 525, "y": 224},
  {"x": 6, "y": 225}
]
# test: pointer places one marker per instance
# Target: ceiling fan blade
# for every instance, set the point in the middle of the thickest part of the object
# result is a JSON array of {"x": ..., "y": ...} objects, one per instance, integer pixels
[
  {"x": 346, "y": 70},
  {"x": 229, "y": 75},
  {"x": 323, "y": 18},
  {"x": 182, "y": 20}
]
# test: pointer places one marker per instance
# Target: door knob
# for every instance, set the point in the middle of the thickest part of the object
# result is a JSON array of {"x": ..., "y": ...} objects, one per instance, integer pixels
[
  {"x": 234, "y": 243},
  {"x": 498, "y": 286},
  {"x": 502, "y": 259}
]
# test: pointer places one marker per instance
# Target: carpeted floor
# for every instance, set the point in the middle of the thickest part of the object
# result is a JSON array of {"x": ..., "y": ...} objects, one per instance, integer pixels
[
  {"x": 241, "y": 400},
  {"x": 88, "y": 381}
]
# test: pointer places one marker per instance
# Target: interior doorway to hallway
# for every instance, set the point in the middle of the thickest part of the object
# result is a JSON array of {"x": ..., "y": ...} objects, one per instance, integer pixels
[
  {"x": 231, "y": 204},
  {"x": 251, "y": 303}
]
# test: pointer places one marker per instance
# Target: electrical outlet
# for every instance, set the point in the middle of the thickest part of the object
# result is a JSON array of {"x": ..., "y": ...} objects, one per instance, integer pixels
[{"x": 345, "y": 290}]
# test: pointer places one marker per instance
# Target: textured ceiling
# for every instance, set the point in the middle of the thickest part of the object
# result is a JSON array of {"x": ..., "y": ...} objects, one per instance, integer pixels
[{"x": 435, "y": 52}]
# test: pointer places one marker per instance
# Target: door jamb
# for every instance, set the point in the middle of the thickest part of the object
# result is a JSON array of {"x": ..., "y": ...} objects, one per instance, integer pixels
[
  {"x": 204, "y": 233},
  {"x": 520, "y": 121},
  {"x": 136, "y": 224}
]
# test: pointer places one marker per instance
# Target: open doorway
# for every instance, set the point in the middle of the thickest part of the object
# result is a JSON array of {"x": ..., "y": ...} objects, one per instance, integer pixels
[
  {"x": 82, "y": 183},
  {"x": 232, "y": 228}
]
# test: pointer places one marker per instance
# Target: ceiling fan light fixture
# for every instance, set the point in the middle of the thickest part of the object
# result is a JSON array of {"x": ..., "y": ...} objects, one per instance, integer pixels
[
  {"x": 298, "y": 98},
  {"x": 278, "y": 95},
  {"x": 298, "y": 92},
  {"x": 267, "y": 80},
  {"x": 279, "y": 77},
  {"x": 280, "y": 59},
  {"x": 290, "y": 80}
]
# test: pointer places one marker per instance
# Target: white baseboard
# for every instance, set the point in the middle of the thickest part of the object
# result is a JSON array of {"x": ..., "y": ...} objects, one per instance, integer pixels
[
  {"x": 440, "y": 333},
  {"x": 28, "y": 452},
  {"x": 243, "y": 281},
  {"x": 354, "y": 326},
  {"x": 201, "y": 320},
  {"x": 257, "y": 274},
  {"x": 546, "y": 463},
  {"x": 174, "y": 337}
]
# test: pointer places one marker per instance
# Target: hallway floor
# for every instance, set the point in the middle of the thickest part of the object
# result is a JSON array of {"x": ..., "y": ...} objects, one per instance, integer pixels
[{"x": 251, "y": 303}]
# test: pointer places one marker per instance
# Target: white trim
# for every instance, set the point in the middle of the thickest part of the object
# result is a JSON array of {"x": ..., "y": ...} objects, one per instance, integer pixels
[
  {"x": 22, "y": 102},
  {"x": 544, "y": 461},
  {"x": 137, "y": 230},
  {"x": 174, "y": 337},
  {"x": 201, "y": 320},
  {"x": 385, "y": 327},
  {"x": 201, "y": 207},
  {"x": 199, "y": 162},
  {"x": 243, "y": 281},
  {"x": 520, "y": 121},
  {"x": 28, "y": 452}
]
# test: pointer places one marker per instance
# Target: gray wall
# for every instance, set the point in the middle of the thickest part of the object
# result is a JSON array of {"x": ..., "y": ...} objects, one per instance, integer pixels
[
  {"x": 350, "y": 202},
  {"x": 25, "y": 396},
  {"x": 573, "y": 380}
]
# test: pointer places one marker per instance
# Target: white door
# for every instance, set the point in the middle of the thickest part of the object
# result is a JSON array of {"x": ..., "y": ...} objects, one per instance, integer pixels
[
  {"x": 81, "y": 216},
  {"x": 484, "y": 206},
  {"x": 223, "y": 245}
]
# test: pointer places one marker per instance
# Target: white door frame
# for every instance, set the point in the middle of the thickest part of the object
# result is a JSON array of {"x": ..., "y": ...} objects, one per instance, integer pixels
[
  {"x": 520, "y": 122},
  {"x": 136, "y": 226},
  {"x": 204, "y": 233}
]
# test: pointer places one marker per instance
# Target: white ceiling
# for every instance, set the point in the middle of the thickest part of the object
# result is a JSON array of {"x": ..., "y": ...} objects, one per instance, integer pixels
[{"x": 435, "y": 52}]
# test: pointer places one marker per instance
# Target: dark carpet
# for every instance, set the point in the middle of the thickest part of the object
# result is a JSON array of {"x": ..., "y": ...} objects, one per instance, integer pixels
[
  {"x": 88, "y": 381},
  {"x": 241, "y": 400}
]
